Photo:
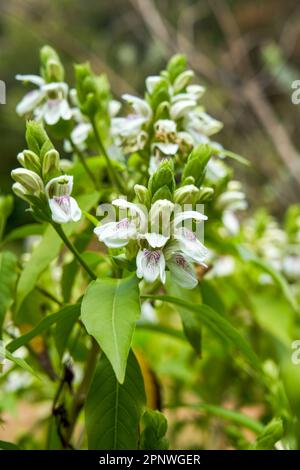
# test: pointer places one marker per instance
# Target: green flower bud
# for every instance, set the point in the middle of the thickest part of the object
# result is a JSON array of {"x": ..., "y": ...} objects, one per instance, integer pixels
[
  {"x": 186, "y": 194},
  {"x": 29, "y": 160},
  {"x": 205, "y": 194},
  {"x": 29, "y": 179},
  {"x": 176, "y": 65},
  {"x": 142, "y": 194},
  {"x": 51, "y": 66},
  {"x": 20, "y": 191},
  {"x": 51, "y": 164},
  {"x": 182, "y": 80}
]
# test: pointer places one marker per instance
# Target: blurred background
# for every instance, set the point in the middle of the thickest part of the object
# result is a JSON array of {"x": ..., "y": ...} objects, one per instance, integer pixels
[{"x": 247, "y": 53}]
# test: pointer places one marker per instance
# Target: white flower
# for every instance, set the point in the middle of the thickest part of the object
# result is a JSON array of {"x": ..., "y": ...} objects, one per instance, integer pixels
[
  {"x": 118, "y": 234},
  {"x": 151, "y": 265},
  {"x": 127, "y": 131},
  {"x": 201, "y": 125},
  {"x": 64, "y": 208},
  {"x": 49, "y": 102}
]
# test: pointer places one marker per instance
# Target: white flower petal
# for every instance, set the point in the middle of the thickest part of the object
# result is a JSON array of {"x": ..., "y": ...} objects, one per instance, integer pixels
[
  {"x": 114, "y": 107},
  {"x": 155, "y": 240},
  {"x": 151, "y": 82},
  {"x": 29, "y": 102},
  {"x": 65, "y": 110},
  {"x": 188, "y": 215},
  {"x": 140, "y": 106},
  {"x": 52, "y": 111},
  {"x": 75, "y": 210},
  {"x": 59, "y": 215},
  {"x": 181, "y": 108},
  {"x": 61, "y": 185},
  {"x": 182, "y": 271},
  {"x": 80, "y": 133},
  {"x": 165, "y": 126},
  {"x": 190, "y": 245},
  {"x": 35, "y": 79},
  {"x": 134, "y": 209},
  {"x": 116, "y": 234},
  {"x": 166, "y": 149}
]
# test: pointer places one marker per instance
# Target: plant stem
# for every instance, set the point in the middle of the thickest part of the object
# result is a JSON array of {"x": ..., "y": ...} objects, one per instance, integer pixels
[
  {"x": 113, "y": 175},
  {"x": 73, "y": 249},
  {"x": 85, "y": 165}
]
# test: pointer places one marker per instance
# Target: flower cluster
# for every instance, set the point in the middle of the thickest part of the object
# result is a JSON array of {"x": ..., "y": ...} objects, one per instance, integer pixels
[
  {"x": 160, "y": 245},
  {"x": 162, "y": 151},
  {"x": 40, "y": 180},
  {"x": 169, "y": 122}
]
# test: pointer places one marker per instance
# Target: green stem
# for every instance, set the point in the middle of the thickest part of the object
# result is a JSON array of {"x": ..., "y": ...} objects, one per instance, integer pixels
[
  {"x": 113, "y": 175},
  {"x": 73, "y": 249},
  {"x": 85, "y": 165}
]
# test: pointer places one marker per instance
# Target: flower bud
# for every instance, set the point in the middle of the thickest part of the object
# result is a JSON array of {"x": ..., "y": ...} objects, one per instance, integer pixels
[
  {"x": 54, "y": 71},
  {"x": 186, "y": 194},
  {"x": 30, "y": 161},
  {"x": 51, "y": 164},
  {"x": 205, "y": 194},
  {"x": 27, "y": 178},
  {"x": 142, "y": 194},
  {"x": 182, "y": 80},
  {"x": 20, "y": 191}
]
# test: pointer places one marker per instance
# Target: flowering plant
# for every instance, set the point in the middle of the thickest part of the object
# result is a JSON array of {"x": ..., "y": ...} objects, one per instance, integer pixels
[{"x": 151, "y": 165}]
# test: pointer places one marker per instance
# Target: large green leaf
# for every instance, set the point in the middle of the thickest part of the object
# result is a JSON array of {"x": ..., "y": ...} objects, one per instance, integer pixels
[
  {"x": 66, "y": 314},
  {"x": 112, "y": 410},
  {"x": 217, "y": 324},
  {"x": 8, "y": 278},
  {"x": 42, "y": 255},
  {"x": 109, "y": 311}
]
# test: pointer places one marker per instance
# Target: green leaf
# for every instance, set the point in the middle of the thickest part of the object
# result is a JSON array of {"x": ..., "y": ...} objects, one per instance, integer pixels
[
  {"x": 4, "y": 445},
  {"x": 112, "y": 410},
  {"x": 271, "y": 434},
  {"x": 233, "y": 156},
  {"x": 217, "y": 324},
  {"x": 155, "y": 428},
  {"x": 63, "y": 315},
  {"x": 24, "y": 231},
  {"x": 41, "y": 257},
  {"x": 109, "y": 311},
  {"x": 20, "y": 362},
  {"x": 8, "y": 278},
  {"x": 197, "y": 162}
]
